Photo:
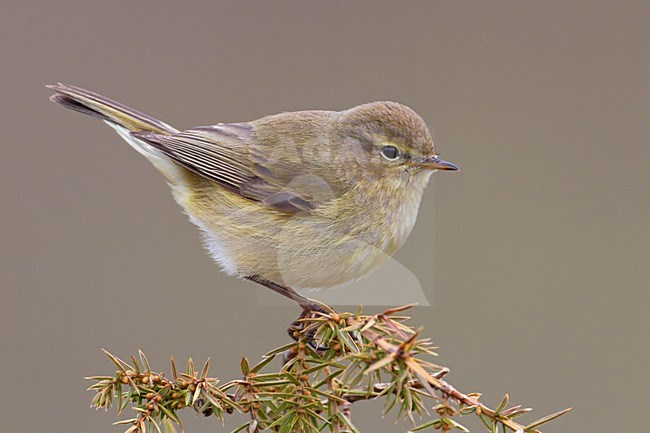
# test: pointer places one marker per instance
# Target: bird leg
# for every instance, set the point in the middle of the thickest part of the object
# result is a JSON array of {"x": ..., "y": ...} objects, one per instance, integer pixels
[{"x": 309, "y": 306}]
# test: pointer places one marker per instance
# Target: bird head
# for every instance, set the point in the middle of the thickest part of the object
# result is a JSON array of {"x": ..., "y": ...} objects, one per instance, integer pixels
[{"x": 394, "y": 139}]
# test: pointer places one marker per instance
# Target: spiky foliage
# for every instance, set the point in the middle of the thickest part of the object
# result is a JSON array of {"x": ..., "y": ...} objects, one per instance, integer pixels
[{"x": 336, "y": 360}]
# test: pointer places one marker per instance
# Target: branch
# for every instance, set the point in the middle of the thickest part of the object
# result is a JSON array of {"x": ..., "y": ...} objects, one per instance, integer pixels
[{"x": 337, "y": 360}]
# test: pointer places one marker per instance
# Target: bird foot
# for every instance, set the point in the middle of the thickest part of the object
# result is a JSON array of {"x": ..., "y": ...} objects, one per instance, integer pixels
[{"x": 310, "y": 308}]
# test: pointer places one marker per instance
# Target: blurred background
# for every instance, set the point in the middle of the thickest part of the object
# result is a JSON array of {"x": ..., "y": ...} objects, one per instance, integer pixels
[{"x": 538, "y": 250}]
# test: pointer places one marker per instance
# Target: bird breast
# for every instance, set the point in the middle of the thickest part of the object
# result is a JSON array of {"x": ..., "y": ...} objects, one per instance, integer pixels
[{"x": 332, "y": 245}]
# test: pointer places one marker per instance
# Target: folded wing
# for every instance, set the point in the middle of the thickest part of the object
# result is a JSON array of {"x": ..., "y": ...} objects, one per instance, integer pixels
[{"x": 229, "y": 155}]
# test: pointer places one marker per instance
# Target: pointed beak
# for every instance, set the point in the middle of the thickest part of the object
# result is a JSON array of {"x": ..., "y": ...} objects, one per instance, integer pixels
[{"x": 433, "y": 163}]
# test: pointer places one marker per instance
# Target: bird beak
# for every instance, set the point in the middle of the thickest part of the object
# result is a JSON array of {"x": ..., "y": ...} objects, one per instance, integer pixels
[{"x": 433, "y": 163}]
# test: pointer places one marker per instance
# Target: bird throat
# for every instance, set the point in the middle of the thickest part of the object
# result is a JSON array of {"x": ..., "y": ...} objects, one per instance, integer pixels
[{"x": 390, "y": 208}]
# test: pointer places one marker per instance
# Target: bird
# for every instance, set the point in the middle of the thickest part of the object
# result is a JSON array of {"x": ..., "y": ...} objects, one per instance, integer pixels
[{"x": 292, "y": 201}]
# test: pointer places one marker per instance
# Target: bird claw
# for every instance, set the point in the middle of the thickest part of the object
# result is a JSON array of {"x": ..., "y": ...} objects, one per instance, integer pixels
[{"x": 310, "y": 308}]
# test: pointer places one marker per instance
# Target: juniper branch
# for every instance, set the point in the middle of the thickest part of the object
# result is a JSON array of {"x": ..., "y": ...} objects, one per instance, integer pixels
[{"x": 337, "y": 360}]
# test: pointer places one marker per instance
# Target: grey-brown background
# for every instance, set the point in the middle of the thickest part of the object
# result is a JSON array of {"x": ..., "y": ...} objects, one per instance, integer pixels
[{"x": 542, "y": 242}]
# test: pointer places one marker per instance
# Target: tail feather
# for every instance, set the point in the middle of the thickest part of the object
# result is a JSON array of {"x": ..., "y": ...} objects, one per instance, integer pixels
[
  {"x": 95, "y": 105},
  {"x": 125, "y": 121}
]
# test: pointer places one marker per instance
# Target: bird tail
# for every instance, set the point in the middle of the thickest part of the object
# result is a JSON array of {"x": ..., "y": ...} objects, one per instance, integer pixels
[
  {"x": 95, "y": 105},
  {"x": 124, "y": 121}
]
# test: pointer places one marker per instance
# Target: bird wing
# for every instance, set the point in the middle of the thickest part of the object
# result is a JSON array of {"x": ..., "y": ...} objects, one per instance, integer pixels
[{"x": 229, "y": 155}]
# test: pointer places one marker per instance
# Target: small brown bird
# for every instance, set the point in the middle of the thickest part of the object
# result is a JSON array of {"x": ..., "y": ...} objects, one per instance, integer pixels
[{"x": 299, "y": 200}]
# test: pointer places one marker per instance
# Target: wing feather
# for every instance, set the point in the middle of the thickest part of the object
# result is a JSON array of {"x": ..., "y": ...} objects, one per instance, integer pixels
[{"x": 224, "y": 153}]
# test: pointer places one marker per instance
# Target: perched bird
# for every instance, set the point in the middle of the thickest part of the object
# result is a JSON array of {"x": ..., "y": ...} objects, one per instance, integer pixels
[{"x": 297, "y": 200}]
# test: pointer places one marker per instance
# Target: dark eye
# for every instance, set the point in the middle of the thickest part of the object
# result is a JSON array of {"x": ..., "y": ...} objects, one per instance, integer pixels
[{"x": 390, "y": 152}]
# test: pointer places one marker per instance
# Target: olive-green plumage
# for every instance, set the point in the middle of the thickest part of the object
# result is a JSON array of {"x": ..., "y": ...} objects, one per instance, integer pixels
[{"x": 308, "y": 199}]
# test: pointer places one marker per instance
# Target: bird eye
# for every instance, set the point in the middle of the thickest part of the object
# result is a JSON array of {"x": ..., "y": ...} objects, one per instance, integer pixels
[{"x": 390, "y": 152}]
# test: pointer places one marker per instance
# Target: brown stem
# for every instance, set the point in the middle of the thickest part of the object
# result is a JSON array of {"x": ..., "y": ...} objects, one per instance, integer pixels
[
  {"x": 438, "y": 384},
  {"x": 335, "y": 427}
]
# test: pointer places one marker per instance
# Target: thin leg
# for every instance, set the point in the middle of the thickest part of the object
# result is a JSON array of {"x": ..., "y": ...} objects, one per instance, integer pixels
[{"x": 307, "y": 304}]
